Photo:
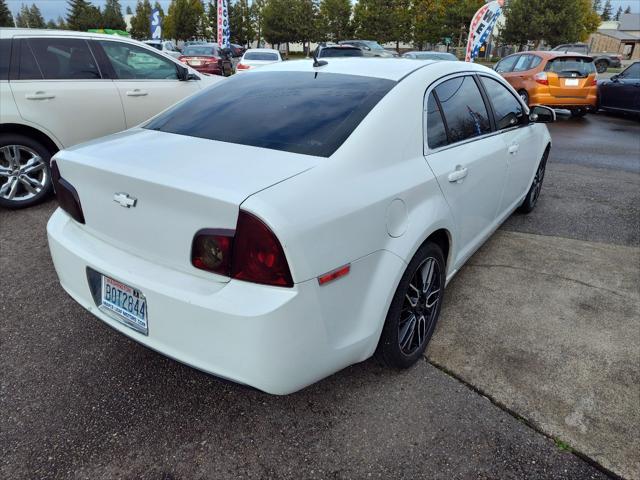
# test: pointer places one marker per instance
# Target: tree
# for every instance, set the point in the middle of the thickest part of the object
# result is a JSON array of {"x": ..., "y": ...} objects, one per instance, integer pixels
[
  {"x": 82, "y": 15},
  {"x": 554, "y": 22},
  {"x": 140, "y": 22},
  {"x": 335, "y": 19},
  {"x": 607, "y": 11},
  {"x": 628, "y": 9},
  {"x": 35, "y": 17},
  {"x": 22, "y": 17},
  {"x": 129, "y": 11},
  {"x": 277, "y": 26},
  {"x": 597, "y": 6},
  {"x": 240, "y": 22},
  {"x": 618, "y": 13},
  {"x": 112, "y": 15},
  {"x": 61, "y": 24},
  {"x": 372, "y": 19},
  {"x": 185, "y": 19},
  {"x": 305, "y": 21},
  {"x": 257, "y": 16},
  {"x": 427, "y": 16},
  {"x": 6, "y": 19}
]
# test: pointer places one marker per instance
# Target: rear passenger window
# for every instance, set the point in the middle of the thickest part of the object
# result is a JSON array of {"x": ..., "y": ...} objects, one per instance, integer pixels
[
  {"x": 27, "y": 67},
  {"x": 464, "y": 110},
  {"x": 64, "y": 58},
  {"x": 522, "y": 64},
  {"x": 436, "y": 133},
  {"x": 506, "y": 65},
  {"x": 5, "y": 55},
  {"x": 535, "y": 61},
  {"x": 507, "y": 109}
]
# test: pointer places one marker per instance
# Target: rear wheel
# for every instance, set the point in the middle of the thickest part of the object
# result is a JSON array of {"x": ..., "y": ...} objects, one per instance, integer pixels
[
  {"x": 579, "y": 112},
  {"x": 414, "y": 310},
  {"x": 601, "y": 66},
  {"x": 25, "y": 178},
  {"x": 533, "y": 194}
]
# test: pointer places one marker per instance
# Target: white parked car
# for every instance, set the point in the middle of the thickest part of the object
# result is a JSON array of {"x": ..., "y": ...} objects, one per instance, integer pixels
[
  {"x": 165, "y": 46},
  {"x": 257, "y": 57},
  {"x": 276, "y": 252},
  {"x": 59, "y": 88}
]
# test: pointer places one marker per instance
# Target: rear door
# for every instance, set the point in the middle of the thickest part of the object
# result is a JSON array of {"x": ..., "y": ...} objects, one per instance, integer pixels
[
  {"x": 515, "y": 130},
  {"x": 147, "y": 82},
  {"x": 55, "y": 80},
  {"x": 466, "y": 157},
  {"x": 570, "y": 77}
]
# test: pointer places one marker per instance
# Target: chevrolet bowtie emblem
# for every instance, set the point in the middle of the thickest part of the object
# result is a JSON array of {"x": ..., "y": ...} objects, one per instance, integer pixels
[{"x": 124, "y": 200}]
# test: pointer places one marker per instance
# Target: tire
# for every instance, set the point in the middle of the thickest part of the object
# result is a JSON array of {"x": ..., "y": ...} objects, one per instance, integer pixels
[
  {"x": 524, "y": 96},
  {"x": 25, "y": 178},
  {"x": 601, "y": 66},
  {"x": 579, "y": 112},
  {"x": 405, "y": 334},
  {"x": 533, "y": 194}
]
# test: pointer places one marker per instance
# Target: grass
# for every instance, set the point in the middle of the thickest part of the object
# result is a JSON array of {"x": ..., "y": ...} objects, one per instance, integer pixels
[{"x": 562, "y": 446}]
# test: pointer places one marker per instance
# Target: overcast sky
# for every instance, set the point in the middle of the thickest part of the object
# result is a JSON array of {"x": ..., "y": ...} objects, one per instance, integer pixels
[{"x": 52, "y": 9}]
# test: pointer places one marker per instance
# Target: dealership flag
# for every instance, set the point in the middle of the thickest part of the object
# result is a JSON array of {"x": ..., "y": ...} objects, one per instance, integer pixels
[
  {"x": 156, "y": 24},
  {"x": 223, "y": 24},
  {"x": 481, "y": 26}
]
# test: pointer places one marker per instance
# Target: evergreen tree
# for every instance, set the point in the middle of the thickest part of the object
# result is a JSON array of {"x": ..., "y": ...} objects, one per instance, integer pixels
[
  {"x": 140, "y": 22},
  {"x": 372, "y": 20},
  {"x": 35, "y": 17},
  {"x": 257, "y": 16},
  {"x": 278, "y": 28},
  {"x": 186, "y": 19},
  {"x": 22, "y": 18},
  {"x": 597, "y": 6},
  {"x": 628, "y": 9},
  {"x": 618, "y": 13},
  {"x": 607, "y": 11},
  {"x": 335, "y": 19},
  {"x": 129, "y": 11},
  {"x": 61, "y": 24},
  {"x": 240, "y": 22},
  {"x": 112, "y": 15},
  {"x": 51, "y": 25},
  {"x": 6, "y": 19},
  {"x": 305, "y": 15},
  {"x": 82, "y": 15}
]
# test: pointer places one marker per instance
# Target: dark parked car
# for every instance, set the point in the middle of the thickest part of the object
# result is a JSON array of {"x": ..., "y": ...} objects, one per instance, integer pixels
[
  {"x": 207, "y": 58},
  {"x": 602, "y": 61},
  {"x": 621, "y": 92},
  {"x": 338, "y": 51}
]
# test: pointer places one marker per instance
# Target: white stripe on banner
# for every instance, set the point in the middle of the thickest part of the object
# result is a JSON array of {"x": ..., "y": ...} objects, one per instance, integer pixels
[
  {"x": 481, "y": 27},
  {"x": 224, "y": 32}
]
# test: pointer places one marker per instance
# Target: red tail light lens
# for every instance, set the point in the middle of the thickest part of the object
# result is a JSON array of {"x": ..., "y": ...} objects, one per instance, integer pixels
[
  {"x": 66, "y": 195},
  {"x": 211, "y": 250},
  {"x": 541, "y": 78},
  {"x": 242, "y": 66},
  {"x": 594, "y": 81},
  {"x": 257, "y": 254},
  {"x": 252, "y": 253}
]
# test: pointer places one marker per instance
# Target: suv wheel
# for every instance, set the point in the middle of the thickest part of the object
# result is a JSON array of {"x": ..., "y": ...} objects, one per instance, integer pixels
[
  {"x": 601, "y": 66},
  {"x": 25, "y": 178}
]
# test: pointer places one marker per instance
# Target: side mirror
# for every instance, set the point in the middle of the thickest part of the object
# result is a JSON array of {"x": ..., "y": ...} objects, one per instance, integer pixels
[
  {"x": 541, "y": 114},
  {"x": 184, "y": 75},
  {"x": 615, "y": 78}
]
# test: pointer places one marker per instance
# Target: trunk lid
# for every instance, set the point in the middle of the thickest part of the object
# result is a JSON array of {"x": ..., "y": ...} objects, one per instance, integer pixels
[
  {"x": 570, "y": 77},
  {"x": 180, "y": 185}
]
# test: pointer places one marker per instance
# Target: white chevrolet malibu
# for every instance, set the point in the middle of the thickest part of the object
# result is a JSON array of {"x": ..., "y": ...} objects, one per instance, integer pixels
[{"x": 284, "y": 224}]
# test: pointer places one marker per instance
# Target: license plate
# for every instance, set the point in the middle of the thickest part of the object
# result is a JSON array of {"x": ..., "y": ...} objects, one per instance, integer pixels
[
  {"x": 125, "y": 304},
  {"x": 195, "y": 62},
  {"x": 571, "y": 82}
]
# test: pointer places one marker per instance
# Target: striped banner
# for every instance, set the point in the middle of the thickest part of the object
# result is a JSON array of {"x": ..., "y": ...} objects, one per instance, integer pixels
[
  {"x": 223, "y": 24},
  {"x": 481, "y": 27}
]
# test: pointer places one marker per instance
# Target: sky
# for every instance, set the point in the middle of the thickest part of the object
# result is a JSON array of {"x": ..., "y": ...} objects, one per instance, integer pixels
[{"x": 52, "y": 9}]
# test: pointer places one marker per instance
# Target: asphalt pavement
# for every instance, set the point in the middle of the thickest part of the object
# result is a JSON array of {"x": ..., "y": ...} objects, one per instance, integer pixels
[{"x": 79, "y": 400}]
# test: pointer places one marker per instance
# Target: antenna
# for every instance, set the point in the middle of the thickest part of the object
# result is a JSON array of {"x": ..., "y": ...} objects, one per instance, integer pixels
[{"x": 316, "y": 62}]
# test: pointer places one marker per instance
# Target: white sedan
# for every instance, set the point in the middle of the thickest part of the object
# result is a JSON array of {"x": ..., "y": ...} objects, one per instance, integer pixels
[
  {"x": 276, "y": 252},
  {"x": 257, "y": 57}
]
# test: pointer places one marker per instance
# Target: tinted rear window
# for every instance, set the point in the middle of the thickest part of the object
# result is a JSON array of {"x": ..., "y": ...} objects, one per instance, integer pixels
[
  {"x": 565, "y": 66},
  {"x": 261, "y": 56},
  {"x": 199, "y": 50},
  {"x": 301, "y": 112},
  {"x": 340, "y": 52},
  {"x": 5, "y": 55}
]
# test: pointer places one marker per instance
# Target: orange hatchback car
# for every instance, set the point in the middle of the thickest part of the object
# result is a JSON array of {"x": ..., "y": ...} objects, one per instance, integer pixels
[{"x": 555, "y": 79}]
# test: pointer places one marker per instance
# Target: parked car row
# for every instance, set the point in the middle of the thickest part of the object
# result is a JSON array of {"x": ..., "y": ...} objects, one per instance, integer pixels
[{"x": 59, "y": 88}]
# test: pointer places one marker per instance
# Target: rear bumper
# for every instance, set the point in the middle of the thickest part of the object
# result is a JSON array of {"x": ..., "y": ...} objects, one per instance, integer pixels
[
  {"x": 278, "y": 340},
  {"x": 590, "y": 101},
  {"x": 210, "y": 69}
]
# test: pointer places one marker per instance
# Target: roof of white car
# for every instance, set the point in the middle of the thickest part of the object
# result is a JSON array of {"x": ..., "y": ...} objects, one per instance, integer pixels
[
  {"x": 389, "y": 68},
  {"x": 269, "y": 50},
  {"x": 35, "y": 32}
]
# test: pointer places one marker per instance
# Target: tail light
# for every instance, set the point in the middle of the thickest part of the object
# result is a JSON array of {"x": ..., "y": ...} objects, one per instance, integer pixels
[
  {"x": 594, "y": 81},
  {"x": 66, "y": 195},
  {"x": 242, "y": 66},
  {"x": 182, "y": 58},
  {"x": 252, "y": 253},
  {"x": 541, "y": 78}
]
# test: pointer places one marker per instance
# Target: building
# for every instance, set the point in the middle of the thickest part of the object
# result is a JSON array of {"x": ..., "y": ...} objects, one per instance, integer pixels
[{"x": 622, "y": 36}]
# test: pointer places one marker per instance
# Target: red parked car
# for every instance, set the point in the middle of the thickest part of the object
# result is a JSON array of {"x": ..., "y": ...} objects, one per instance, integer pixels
[{"x": 207, "y": 58}]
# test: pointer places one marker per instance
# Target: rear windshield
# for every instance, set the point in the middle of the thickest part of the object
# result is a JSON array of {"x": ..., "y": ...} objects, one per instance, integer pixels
[
  {"x": 261, "y": 56},
  {"x": 301, "y": 112},
  {"x": 340, "y": 52},
  {"x": 199, "y": 50},
  {"x": 155, "y": 45},
  {"x": 567, "y": 66},
  {"x": 435, "y": 56}
]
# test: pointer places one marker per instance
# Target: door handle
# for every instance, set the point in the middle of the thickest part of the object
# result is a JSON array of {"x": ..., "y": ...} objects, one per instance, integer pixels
[
  {"x": 513, "y": 149},
  {"x": 39, "y": 95},
  {"x": 136, "y": 93},
  {"x": 458, "y": 174}
]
